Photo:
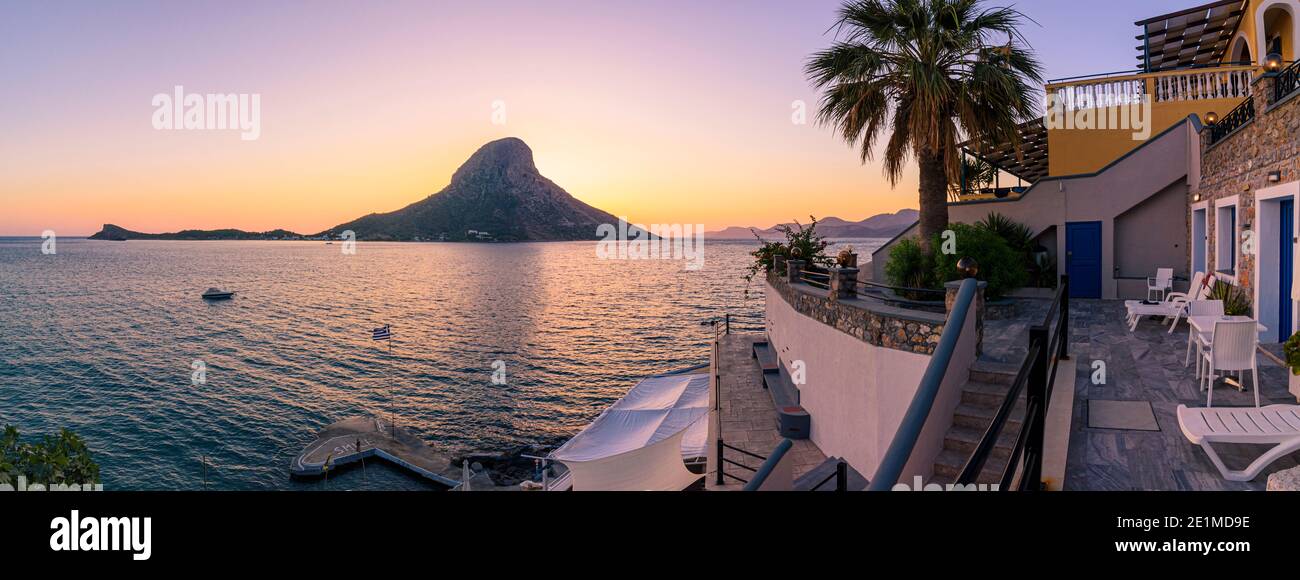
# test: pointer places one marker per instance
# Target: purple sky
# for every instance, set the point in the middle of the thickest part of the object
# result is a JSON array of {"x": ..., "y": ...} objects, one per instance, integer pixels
[{"x": 666, "y": 111}]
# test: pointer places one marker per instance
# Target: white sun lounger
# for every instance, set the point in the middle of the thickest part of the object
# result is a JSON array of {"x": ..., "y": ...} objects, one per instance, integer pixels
[
  {"x": 1277, "y": 425},
  {"x": 1172, "y": 308}
]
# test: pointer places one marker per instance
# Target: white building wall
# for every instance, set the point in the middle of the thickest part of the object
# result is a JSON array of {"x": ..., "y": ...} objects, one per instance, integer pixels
[{"x": 857, "y": 393}]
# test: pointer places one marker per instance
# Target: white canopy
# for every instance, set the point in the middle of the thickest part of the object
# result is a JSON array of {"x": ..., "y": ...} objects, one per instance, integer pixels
[{"x": 639, "y": 442}]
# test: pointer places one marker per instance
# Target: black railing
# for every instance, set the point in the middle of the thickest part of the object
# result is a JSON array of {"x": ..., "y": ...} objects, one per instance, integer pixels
[
  {"x": 723, "y": 462},
  {"x": 1048, "y": 345},
  {"x": 769, "y": 466},
  {"x": 1288, "y": 81},
  {"x": 841, "y": 477},
  {"x": 909, "y": 429},
  {"x": 815, "y": 279},
  {"x": 901, "y": 295},
  {"x": 1244, "y": 113}
]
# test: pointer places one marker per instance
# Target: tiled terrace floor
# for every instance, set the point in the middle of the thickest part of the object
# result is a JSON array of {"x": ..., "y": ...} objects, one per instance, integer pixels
[
  {"x": 747, "y": 418},
  {"x": 1146, "y": 365}
]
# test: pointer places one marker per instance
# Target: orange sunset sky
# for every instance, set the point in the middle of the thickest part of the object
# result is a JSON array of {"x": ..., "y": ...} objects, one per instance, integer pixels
[{"x": 664, "y": 112}]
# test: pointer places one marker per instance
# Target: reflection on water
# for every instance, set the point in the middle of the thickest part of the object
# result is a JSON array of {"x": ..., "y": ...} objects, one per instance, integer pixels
[{"x": 101, "y": 337}]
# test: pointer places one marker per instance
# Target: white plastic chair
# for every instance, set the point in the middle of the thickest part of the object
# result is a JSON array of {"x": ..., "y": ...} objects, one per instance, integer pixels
[
  {"x": 1199, "y": 290},
  {"x": 1199, "y": 308},
  {"x": 1232, "y": 349},
  {"x": 1173, "y": 307},
  {"x": 1162, "y": 284}
]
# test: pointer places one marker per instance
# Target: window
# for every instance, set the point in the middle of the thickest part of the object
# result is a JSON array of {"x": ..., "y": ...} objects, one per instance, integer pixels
[{"x": 1226, "y": 240}]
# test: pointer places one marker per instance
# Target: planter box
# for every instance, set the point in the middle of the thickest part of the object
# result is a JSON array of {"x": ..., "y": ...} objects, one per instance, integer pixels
[{"x": 1294, "y": 382}]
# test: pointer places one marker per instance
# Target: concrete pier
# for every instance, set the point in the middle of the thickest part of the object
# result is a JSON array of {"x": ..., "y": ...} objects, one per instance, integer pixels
[{"x": 337, "y": 445}]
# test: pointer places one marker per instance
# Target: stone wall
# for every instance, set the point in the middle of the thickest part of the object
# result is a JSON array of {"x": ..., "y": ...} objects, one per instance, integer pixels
[
  {"x": 871, "y": 322},
  {"x": 1240, "y": 165}
]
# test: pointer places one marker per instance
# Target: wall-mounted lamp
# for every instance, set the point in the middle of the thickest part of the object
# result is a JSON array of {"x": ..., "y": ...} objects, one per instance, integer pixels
[
  {"x": 1196, "y": 198},
  {"x": 1274, "y": 176},
  {"x": 1211, "y": 118},
  {"x": 1273, "y": 62}
]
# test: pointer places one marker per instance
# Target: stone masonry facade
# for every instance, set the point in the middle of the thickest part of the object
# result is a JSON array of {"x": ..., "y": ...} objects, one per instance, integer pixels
[
  {"x": 1240, "y": 165},
  {"x": 893, "y": 328}
]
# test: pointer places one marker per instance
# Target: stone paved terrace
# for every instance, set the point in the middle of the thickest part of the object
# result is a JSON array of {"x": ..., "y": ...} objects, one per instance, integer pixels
[
  {"x": 747, "y": 418},
  {"x": 1146, "y": 365}
]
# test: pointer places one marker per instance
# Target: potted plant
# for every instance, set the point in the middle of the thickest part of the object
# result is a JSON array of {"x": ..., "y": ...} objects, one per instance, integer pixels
[
  {"x": 847, "y": 258},
  {"x": 1292, "y": 352},
  {"x": 1235, "y": 300}
]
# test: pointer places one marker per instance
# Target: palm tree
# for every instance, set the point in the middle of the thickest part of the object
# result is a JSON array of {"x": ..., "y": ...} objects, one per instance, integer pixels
[{"x": 928, "y": 74}]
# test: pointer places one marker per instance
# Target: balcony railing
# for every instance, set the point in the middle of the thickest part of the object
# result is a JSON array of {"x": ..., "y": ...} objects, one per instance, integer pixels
[
  {"x": 1244, "y": 113},
  {"x": 1228, "y": 82},
  {"x": 1288, "y": 81}
]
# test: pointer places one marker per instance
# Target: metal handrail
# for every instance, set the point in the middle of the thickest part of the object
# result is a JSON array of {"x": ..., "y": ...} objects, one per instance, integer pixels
[
  {"x": 841, "y": 477},
  {"x": 902, "y": 288},
  {"x": 1244, "y": 113},
  {"x": 909, "y": 430},
  {"x": 722, "y": 461},
  {"x": 1288, "y": 81},
  {"x": 1037, "y": 374},
  {"x": 765, "y": 471}
]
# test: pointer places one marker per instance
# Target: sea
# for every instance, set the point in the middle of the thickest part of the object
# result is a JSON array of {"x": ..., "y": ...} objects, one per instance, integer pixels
[{"x": 494, "y": 346}]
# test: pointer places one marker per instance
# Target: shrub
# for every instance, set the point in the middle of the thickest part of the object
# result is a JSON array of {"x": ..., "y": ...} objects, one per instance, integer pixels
[
  {"x": 999, "y": 265},
  {"x": 910, "y": 266},
  {"x": 1292, "y": 351},
  {"x": 1016, "y": 234},
  {"x": 800, "y": 244},
  {"x": 61, "y": 459}
]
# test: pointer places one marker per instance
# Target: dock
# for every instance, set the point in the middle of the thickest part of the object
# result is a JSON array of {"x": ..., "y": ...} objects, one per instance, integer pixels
[{"x": 337, "y": 445}]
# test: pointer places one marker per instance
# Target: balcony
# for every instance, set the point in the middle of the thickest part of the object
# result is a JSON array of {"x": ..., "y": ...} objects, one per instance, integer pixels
[
  {"x": 1179, "y": 86},
  {"x": 1149, "y": 103}
]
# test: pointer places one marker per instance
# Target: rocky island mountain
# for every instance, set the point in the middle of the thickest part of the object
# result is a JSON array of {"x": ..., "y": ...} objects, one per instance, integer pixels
[{"x": 497, "y": 194}]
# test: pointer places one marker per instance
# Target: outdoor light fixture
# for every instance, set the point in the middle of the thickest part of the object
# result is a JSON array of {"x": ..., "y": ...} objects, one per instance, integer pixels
[
  {"x": 1211, "y": 117},
  {"x": 1273, "y": 62},
  {"x": 968, "y": 267},
  {"x": 1196, "y": 197},
  {"x": 1274, "y": 176}
]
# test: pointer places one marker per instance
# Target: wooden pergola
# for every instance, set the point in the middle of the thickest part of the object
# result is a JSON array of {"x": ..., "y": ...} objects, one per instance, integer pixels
[{"x": 1197, "y": 36}]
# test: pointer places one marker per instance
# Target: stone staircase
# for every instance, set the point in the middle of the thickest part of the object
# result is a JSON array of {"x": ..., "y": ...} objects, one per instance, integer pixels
[{"x": 981, "y": 397}]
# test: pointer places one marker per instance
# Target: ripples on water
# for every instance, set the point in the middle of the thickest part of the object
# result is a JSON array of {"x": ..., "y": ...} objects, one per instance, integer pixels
[{"x": 100, "y": 337}]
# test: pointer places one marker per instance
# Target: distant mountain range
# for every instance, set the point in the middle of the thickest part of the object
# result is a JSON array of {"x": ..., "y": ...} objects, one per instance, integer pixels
[
  {"x": 881, "y": 226},
  {"x": 497, "y": 195},
  {"x": 119, "y": 234}
]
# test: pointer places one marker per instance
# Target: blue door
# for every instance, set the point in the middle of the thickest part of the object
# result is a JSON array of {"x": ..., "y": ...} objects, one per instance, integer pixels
[
  {"x": 1286, "y": 255},
  {"x": 1083, "y": 259}
]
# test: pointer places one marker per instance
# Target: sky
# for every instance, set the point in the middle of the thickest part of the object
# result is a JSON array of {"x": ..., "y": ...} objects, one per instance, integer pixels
[{"x": 665, "y": 112}]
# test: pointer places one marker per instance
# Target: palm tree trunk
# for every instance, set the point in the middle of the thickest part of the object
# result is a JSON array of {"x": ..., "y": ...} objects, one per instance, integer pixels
[{"x": 933, "y": 196}]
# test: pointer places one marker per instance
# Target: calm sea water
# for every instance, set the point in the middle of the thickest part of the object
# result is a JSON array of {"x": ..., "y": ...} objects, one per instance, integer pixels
[{"x": 100, "y": 338}]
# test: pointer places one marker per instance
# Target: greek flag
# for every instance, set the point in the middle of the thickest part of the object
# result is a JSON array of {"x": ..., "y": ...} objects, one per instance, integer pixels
[{"x": 382, "y": 333}]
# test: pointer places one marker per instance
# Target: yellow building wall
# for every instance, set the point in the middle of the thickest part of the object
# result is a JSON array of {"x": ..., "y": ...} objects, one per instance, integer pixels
[{"x": 1080, "y": 151}]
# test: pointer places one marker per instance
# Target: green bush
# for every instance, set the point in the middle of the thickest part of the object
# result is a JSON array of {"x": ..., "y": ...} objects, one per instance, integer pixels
[
  {"x": 910, "y": 266},
  {"x": 61, "y": 459},
  {"x": 1002, "y": 267},
  {"x": 999, "y": 265},
  {"x": 1292, "y": 351},
  {"x": 800, "y": 244}
]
